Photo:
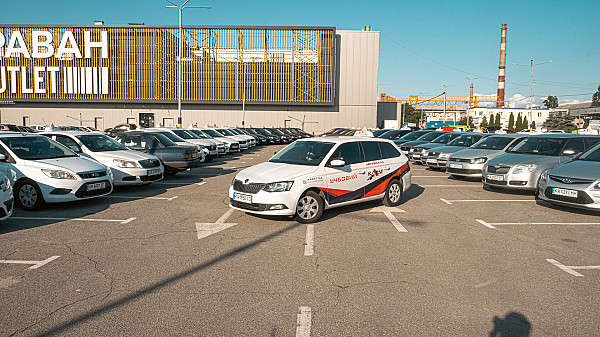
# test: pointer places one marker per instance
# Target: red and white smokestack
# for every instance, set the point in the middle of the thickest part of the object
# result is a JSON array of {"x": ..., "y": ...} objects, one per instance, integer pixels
[{"x": 502, "y": 68}]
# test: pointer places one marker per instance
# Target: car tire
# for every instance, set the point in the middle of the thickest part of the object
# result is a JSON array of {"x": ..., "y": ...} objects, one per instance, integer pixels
[
  {"x": 393, "y": 194},
  {"x": 28, "y": 195},
  {"x": 309, "y": 208}
]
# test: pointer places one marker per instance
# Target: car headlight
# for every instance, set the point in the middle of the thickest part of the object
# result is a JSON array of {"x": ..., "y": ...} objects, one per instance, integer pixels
[
  {"x": 524, "y": 168},
  {"x": 125, "y": 163},
  {"x": 544, "y": 176},
  {"x": 278, "y": 186},
  {"x": 477, "y": 160},
  {"x": 59, "y": 174},
  {"x": 445, "y": 155},
  {"x": 425, "y": 153},
  {"x": 5, "y": 184}
]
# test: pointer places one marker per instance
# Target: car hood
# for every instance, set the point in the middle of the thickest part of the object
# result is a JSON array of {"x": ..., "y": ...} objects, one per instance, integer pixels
[
  {"x": 73, "y": 164},
  {"x": 414, "y": 143},
  {"x": 448, "y": 149},
  {"x": 428, "y": 146},
  {"x": 273, "y": 172},
  {"x": 121, "y": 154},
  {"x": 512, "y": 159},
  {"x": 580, "y": 169},
  {"x": 477, "y": 153}
]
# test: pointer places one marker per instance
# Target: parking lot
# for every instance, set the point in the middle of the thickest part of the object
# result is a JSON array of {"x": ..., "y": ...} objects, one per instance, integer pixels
[{"x": 173, "y": 259}]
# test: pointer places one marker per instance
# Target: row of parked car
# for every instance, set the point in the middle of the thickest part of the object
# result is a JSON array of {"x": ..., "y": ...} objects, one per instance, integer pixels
[
  {"x": 61, "y": 166},
  {"x": 560, "y": 168}
]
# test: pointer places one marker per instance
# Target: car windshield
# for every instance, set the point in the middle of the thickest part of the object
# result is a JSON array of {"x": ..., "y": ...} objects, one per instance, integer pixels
[
  {"x": 213, "y": 133},
  {"x": 159, "y": 137},
  {"x": 444, "y": 138},
  {"x": 251, "y": 131},
  {"x": 100, "y": 143},
  {"x": 428, "y": 137},
  {"x": 393, "y": 134},
  {"x": 277, "y": 132},
  {"x": 226, "y": 132},
  {"x": 378, "y": 133},
  {"x": 171, "y": 136},
  {"x": 235, "y": 132},
  {"x": 200, "y": 133},
  {"x": 35, "y": 148},
  {"x": 541, "y": 146},
  {"x": 493, "y": 143},
  {"x": 465, "y": 140},
  {"x": 303, "y": 153},
  {"x": 185, "y": 134},
  {"x": 593, "y": 154},
  {"x": 413, "y": 135}
]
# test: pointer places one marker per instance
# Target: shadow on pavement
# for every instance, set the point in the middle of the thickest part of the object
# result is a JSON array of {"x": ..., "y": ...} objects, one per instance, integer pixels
[{"x": 514, "y": 324}]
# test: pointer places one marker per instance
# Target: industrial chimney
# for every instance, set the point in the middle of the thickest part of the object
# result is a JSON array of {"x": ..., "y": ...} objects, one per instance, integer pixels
[{"x": 502, "y": 68}]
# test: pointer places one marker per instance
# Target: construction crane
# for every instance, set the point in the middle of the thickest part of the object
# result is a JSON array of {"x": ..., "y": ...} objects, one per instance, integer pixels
[{"x": 436, "y": 103}]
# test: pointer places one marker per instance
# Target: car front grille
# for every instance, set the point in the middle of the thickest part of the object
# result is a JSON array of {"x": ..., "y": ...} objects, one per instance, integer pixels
[
  {"x": 582, "y": 197},
  {"x": 82, "y": 193},
  {"x": 234, "y": 146},
  {"x": 92, "y": 174},
  {"x": 151, "y": 178},
  {"x": 148, "y": 163},
  {"x": 571, "y": 181},
  {"x": 459, "y": 160},
  {"x": 247, "y": 188},
  {"x": 462, "y": 171},
  {"x": 212, "y": 147},
  {"x": 250, "y": 207},
  {"x": 499, "y": 169},
  {"x": 495, "y": 182}
]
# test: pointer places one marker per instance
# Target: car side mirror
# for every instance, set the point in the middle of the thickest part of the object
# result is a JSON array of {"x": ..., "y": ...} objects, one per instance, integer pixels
[
  {"x": 337, "y": 163},
  {"x": 2, "y": 157},
  {"x": 569, "y": 152},
  {"x": 75, "y": 149}
]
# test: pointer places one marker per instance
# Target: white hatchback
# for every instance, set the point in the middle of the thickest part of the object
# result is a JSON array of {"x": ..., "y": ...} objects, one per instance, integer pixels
[
  {"x": 311, "y": 175},
  {"x": 43, "y": 170},
  {"x": 129, "y": 167},
  {"x": 6, "y": 197}
]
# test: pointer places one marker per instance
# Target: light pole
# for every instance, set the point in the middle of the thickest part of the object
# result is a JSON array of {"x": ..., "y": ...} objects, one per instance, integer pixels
[
  {"x": 181, "y": 8},
  {"x": 531, "y": 87},
  {"x": 470, "y": 96}
]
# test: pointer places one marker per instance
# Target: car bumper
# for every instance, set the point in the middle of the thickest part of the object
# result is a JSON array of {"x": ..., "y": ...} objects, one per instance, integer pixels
[
  {"x": 464, "y": 169},
  {"x": 435, "y": 162},
  {"x": 521, "y": 181},
  {"x": 181, "y": 165},
  {"x": 263, "y": 202},
  {"x": 136, "y": 176},
  {"x": 6, "y": 207},
  {"x": 586, "y": 198},
  {"x": 64, "y": 190}
]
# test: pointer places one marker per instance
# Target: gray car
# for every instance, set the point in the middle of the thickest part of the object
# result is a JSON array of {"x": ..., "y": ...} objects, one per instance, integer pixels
[
  {"x": 575, "y": 184},
  {"x": 470, "y": 162},
  {"x": 437, "y": 157},
  {"x": 415, "y": 152},
  {"x": 521, "y": 168}
]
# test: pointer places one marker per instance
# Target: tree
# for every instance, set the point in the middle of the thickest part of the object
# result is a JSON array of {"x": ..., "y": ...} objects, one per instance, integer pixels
[
  {"x": 560, "y": 122},
  {"x": 484, "y": 122},
  {"x": 497, "y": 121},
  {"x": 519, "y": 124},
  {"x": 551, "y": 102},
  {"x": 471, "y": 124},
  {"x": 462, "y": 121},
  {"x": 586, "y": 124},
  {"x": 511, "y": 121},
  {"x": 596, "y": 98},
  {"x": 533, "y": 127},
  {"x": 525, "y": 123},
  {"x": 410, "y": 114}
]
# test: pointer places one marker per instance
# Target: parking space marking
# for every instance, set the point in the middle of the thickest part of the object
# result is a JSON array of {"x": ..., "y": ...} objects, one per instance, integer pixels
[
  {"x": 131, "y": 197},
  {"x": 182, "y": 183},
  {"x": 478, "y": 185},
  {"x": 429, "y": 177},
  {"x": 201, "y": 183},
  {"x": 388, "y": 213},
  {"x": 493, "y": 224},
  {"x": 309, "y": 248},
  {"x": 571, "y": 269},
  {"x": 123, "y": 222},
  {"x": 304, "y": 322},
  {"x": 450, "y": 202},
  {"x": 35, "y": 264},
  {"x": 205, "y": 229}
]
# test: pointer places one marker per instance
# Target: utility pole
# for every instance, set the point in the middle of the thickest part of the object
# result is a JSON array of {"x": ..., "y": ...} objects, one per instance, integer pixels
[
  {"x": 531, "y": 86},
  {"x": 181, "y": 8},
  {"x": 445, "y": 86},
  {"x": 244, "y": 97}
]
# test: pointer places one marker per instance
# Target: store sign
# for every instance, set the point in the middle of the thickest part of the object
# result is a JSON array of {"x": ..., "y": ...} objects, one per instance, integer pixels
[{"x": 41, "y": 79}]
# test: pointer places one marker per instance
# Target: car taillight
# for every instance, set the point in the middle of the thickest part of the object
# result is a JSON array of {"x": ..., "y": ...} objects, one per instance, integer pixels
[{"x": 190, "y": 154}]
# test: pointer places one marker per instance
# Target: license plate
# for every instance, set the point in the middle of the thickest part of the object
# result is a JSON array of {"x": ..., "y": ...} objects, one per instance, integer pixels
[
  {"x": 432, "y": 161},
  {"x": 458, "y": 166},
  {"x": 95, "y": 186},
  {"x": 564, "y": 193},
  {"x": 495, "y": 177},
  {"x": 153, "y": 172},
  {"x": 416, "y": 156},
  {"x": 242, "y": 197}
]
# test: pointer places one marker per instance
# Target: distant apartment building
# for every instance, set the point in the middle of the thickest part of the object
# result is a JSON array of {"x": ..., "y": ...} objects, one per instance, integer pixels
[{"x": 538, "y": 116}]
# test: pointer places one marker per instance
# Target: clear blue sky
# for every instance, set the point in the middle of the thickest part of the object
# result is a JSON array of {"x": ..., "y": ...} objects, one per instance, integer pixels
[{"x": 420, "y": 41}]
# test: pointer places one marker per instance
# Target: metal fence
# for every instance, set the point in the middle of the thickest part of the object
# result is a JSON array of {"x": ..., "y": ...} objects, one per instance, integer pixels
[{"x": 273, "y": 65}]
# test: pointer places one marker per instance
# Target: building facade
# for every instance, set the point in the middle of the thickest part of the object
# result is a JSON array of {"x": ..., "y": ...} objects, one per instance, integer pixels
[
  {"x": 538, "y": 116},
  {"x": 100, "y": 76}
]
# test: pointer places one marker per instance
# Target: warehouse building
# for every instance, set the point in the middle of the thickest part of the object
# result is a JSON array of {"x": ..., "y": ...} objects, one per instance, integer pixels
[{"x": 101, "y": 75}]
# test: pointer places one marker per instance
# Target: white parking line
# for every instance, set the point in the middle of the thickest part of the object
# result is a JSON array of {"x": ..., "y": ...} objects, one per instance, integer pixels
[
  {"x": 478, "y": 185},
  {"x": 304, "y": 322},
  {"x": 123, "y": 222},
  {"x": 570, "y": 269},
  {"x": 129, "y": 197},
  {"x": 450, "y": 202},
  {"x": 182, "y": 183},
  {"x": 205, "y": 229},
  {"x": 388, "y": 213},
  {"x": 309, "y": 243},
  {"x": 36, "y": 264},
  {"x": 493, "y": 224},
  {"x": 429, "y": 177}
]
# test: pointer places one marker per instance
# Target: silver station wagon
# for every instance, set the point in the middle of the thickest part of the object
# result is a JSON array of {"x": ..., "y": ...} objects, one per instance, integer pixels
[
  {"x": 522, "y": 166},
  {"x": 575, "y": 184}
]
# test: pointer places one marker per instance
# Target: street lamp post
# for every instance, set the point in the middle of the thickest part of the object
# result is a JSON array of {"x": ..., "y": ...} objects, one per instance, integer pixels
[
  {"x": 531, "y": 87},
  {"x": 181, "y": 8}
]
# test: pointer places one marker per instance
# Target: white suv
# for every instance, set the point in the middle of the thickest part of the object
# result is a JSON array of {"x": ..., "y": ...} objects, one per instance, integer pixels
[
  {"x": 43, "y": 170},
  {"x": 311, "y": 175}
]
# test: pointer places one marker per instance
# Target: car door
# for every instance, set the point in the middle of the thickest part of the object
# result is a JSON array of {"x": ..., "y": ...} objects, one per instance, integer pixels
[
  {"x": 346, "y": 183},
  {"x": 379, "y": 165}
]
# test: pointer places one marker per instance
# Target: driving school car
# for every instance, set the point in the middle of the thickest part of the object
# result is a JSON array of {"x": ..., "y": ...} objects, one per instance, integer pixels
[{"x": 311, "y": 175}]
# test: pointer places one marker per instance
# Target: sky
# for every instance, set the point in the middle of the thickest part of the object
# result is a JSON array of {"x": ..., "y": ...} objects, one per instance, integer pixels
[{"x": 423, "y": 45}]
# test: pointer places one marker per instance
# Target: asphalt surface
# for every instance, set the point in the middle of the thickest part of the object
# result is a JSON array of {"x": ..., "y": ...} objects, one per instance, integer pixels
[{"x": 472, "y": 262}]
